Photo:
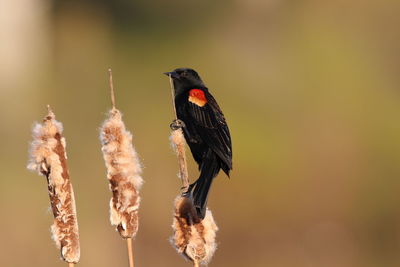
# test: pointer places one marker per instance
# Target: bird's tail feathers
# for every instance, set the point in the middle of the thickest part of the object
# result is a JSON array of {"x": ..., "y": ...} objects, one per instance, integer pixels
[{"x": 209, "y": 169}]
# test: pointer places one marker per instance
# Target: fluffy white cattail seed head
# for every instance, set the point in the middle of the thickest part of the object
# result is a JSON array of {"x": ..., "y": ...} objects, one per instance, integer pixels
[
  {"x": 48, "y": 157},
  {"x": 193, "y": 238},
  {"x": 123, "y": 172}
]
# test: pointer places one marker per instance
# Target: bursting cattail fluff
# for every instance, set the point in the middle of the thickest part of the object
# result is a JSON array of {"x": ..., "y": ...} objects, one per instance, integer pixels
[
  {"x": 123, "y": 172},
  {"x": 193, "y": 237},
  {"x": 48, "y": 157},
  {"x": 178, "y": 144}
]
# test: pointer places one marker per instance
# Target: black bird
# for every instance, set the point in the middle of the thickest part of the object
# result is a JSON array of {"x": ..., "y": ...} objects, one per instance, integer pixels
[{"x": 205, "y": 131}]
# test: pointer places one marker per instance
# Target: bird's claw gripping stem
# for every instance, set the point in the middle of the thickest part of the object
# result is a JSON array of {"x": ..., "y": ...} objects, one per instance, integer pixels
[
  {"x": 186, "y": 190},
  {"x": 177, "y": 124}
]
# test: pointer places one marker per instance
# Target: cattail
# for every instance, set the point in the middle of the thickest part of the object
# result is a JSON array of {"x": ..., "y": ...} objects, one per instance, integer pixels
[
  {"x": 178, "y": 144},
  {"x": 194, "y": 238},
  {"x": 123, "y": 172},
  {"x": 48, "y": 157}
]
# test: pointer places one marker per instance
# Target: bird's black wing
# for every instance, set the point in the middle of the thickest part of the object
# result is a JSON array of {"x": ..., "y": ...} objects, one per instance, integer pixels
[{"x": 211, "y": 126}]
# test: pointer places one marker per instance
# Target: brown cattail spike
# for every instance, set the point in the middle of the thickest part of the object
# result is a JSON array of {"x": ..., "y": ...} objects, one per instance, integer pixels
[
  {"x": 123, "y": 172},
  {"x": 193, "y": 238},
  {"x": 48, "y": 157},
  {"x": 178, "y": 143}
]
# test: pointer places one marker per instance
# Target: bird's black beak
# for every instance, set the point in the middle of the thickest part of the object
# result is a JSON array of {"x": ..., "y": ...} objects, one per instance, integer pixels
[{"x": 173, "y": 74}]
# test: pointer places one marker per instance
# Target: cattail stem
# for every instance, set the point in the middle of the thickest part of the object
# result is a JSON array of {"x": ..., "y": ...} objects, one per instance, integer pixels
[
  {"x": 71, "y": 264},
  {"x": 171, "y": 83},
  {"x": 196, "y": 264},
  {"x": 123, "y": 172},
  {"x": 179, "y": 144},
  {"x": 111, "y": 88},
  {"x": 130, "y": 252}
]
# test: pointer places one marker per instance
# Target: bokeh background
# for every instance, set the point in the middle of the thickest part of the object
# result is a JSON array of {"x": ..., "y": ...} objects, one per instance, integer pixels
[{"x": 310, "y": 90}]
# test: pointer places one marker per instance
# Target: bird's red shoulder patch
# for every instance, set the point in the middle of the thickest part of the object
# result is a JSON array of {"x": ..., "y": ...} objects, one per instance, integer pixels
[{"x": 197, "y": 96}]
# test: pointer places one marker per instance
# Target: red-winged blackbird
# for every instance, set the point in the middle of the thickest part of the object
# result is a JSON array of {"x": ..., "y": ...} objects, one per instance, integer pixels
[{"x": 205, "y": 131}]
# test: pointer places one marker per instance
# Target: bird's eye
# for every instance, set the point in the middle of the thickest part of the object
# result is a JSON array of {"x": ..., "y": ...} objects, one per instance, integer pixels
[{"x": 184, "y": 74}]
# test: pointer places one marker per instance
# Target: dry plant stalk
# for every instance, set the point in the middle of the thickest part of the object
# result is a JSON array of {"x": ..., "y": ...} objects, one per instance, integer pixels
[
  {"x": 123, "y": 172},
  {"x": 178, "y": 143},
  {"x": 48, "y": 157},
  {"x": 193, "y": 237}
]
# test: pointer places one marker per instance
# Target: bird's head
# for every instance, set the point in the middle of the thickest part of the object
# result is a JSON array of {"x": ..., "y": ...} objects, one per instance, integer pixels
[{"x": 185, "y": 79}]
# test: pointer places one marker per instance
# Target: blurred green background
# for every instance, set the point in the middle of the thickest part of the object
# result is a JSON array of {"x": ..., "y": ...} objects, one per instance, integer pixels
[{"x": 310, "y": 91}]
